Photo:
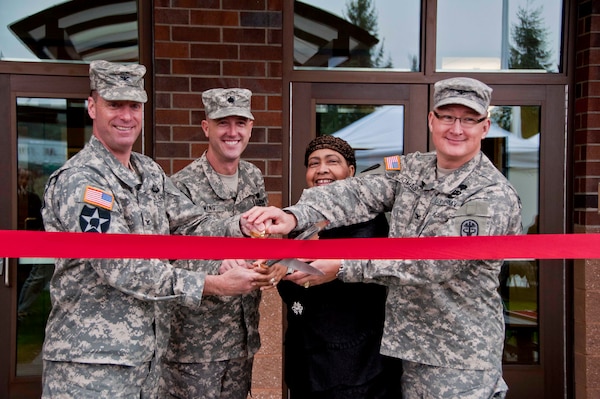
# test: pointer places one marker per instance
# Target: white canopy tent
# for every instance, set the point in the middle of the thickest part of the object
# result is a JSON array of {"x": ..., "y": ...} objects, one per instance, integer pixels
[
  {"x": 377, "y": 135},
  {"x": 522, "y": 153},
  {"x": 381, "y": 134}
]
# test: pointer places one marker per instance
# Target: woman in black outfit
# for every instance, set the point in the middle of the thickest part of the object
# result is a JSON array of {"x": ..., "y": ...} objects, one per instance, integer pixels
[{"x": 334, "y": 329}]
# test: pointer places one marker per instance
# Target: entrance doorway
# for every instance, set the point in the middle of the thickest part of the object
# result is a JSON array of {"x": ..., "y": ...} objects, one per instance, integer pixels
[
  {"x": 47, "y": 123},
  {"x": 527, "y": 143}
]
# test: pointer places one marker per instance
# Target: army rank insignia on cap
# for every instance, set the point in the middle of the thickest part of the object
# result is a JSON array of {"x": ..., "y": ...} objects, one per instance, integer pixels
[
  {"x": 392, "y": 163},
  {"x": 97, "y": 197}
]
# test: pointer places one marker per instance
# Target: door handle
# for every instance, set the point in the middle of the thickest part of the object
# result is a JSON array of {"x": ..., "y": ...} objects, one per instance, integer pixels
[{"x": 4, "y": 270}]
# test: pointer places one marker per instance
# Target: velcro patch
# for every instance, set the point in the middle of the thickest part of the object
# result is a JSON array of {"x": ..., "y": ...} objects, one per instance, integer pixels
[
  {"x": 392, "y": 163},
  {"x": 94, "y": 220},
  {"x": 469, "y": 228},
  {"x": 97, "y": 197}
]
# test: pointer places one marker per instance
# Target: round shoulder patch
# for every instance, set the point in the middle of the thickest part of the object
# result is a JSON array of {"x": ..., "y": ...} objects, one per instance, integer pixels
[
  {"x": 469, "y": 227},
  {"x": 94, "y": 220}
]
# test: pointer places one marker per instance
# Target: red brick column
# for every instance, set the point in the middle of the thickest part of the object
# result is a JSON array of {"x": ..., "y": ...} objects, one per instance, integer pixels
[
  {"x": 586, "y": 157},
  {"x": 201, "y": 45}
]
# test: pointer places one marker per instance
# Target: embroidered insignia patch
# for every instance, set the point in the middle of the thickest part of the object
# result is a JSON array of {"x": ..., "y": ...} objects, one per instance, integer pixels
[
  {"x": 457, "y": 192},
  {"x": 297, "y": 308},
  {"x": 97, "y": 197},
  {"x": 469, "y": 227},
  {"x": 392, "y": 163},
  {"x": 94, "y": 220}
]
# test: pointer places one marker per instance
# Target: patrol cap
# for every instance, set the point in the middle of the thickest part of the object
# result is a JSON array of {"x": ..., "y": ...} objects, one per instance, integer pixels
[
  {"x": 464, "y": 91},
  {"x": 220, "y": 103},
  {"x": 118, "y": 82}
]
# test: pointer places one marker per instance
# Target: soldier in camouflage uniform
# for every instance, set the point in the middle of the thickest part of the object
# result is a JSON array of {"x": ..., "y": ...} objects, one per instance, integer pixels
[
  {"x": 100, "y": 336},
  {"x": 443, "y": 318},
  {"x": 211, "y": 348}
]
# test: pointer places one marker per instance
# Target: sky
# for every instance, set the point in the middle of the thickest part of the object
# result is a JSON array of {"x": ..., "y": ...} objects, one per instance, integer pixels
[
  {"x": 12, "y": 11},
  {"x": 469, "y": 28}
]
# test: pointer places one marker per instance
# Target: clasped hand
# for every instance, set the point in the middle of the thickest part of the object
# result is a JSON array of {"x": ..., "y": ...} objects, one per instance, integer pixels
[
  {"x": 261, "y": 221},
  {"x": 267, "y": 277}
]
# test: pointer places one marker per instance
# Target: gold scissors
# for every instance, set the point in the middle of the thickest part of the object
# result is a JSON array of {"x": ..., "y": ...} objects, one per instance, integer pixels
[{"x": 310, "y": 233}]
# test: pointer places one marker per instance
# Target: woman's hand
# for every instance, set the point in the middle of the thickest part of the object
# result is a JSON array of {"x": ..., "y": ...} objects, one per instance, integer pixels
[{"x": 328, "y": 266}]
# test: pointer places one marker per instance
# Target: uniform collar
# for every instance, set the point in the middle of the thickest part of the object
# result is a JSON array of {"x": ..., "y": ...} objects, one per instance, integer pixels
[{"x": 118, "y": 169}]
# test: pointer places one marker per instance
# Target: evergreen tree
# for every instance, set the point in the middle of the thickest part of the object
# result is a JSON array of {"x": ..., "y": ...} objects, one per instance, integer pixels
[
  {"x": 502, "y": 116},
  {"x": 530, "y": 38},
  {"x": 414, "y": 63},
  {"x": 362, "y": 13}
]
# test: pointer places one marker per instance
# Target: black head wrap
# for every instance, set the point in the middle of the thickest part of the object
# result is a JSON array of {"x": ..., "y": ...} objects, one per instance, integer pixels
[{"x": 332, "y": 143}]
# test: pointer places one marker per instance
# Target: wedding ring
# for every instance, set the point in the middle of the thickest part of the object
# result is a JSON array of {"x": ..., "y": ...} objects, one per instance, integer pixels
[
  {"x": 307, "y": 284},
  {"x": 273, "y": 281}
]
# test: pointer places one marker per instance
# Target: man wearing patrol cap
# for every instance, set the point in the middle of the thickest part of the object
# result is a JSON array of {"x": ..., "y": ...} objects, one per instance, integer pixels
[
  {"x": 221, "y": 103},
  {"x": 100, "y": 337},
  {"x": 443, "y": 318},
  {"x": 211, "y": 350},
  {"x": 116, "y": 82}
]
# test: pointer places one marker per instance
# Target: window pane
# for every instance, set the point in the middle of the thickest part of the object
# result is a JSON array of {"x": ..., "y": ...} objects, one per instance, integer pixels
[
  {"x": 513, "y": 144},
  {"x": 499, "y": 35},
  {"x": 49, "y": 131},
  {"x": 373, "y": 131},
  {"x": 339, "y": 34},
  {"x": 49, "y": 30}
]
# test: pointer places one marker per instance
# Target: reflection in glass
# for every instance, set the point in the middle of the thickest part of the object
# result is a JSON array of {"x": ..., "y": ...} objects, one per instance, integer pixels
[
  {"x": 78, "y": 30},
  {"x": 513, "y": 144},
  {"x": 381, "y": 34},
  {"x": 499, "y": 35},
  {"x": 373, "y": 131},
  {"x": 49, "y": 131}
]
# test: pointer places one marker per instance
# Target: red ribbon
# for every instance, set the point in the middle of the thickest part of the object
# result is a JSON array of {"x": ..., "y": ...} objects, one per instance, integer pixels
[{"x": 34, "y": 244}]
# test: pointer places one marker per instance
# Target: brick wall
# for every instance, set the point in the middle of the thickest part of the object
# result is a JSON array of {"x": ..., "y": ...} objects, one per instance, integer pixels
[
  {"x": 203, "y": 44},
  {"x": 586, "y": 158}
]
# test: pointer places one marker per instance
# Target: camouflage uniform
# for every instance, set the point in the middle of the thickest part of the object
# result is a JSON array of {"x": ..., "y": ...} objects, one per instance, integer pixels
[
  {"x": 446, "y": 314},
  {"x": 225, "y": 328},
  {"x": 104, "y": 309}
]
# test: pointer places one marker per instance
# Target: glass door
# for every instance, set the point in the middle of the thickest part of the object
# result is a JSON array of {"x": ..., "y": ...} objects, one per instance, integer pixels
[
  {"x": 513, "y": 144},
  {"x": 45, "y": 130},
  {"x": 526, "y": 142},
  {"x": 48, "y": 131}
]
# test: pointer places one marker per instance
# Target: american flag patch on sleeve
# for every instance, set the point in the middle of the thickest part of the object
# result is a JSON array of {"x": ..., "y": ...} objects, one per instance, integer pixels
[
  {"x": 95, "y": 196},
  {"x": 392, "y": 163}
]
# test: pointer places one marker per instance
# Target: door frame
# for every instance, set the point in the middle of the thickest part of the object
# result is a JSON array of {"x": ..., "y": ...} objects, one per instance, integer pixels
[
  {"x": 552, "y": 377},
  {"x": 12, "y": 87}
]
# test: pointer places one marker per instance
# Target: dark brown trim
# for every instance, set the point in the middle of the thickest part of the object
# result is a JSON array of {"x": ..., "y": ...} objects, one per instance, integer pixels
[
  {"x": 5, "y": 223},
  {"x": 146, "y": 47},
  {"x": 427, "y": 72}
]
